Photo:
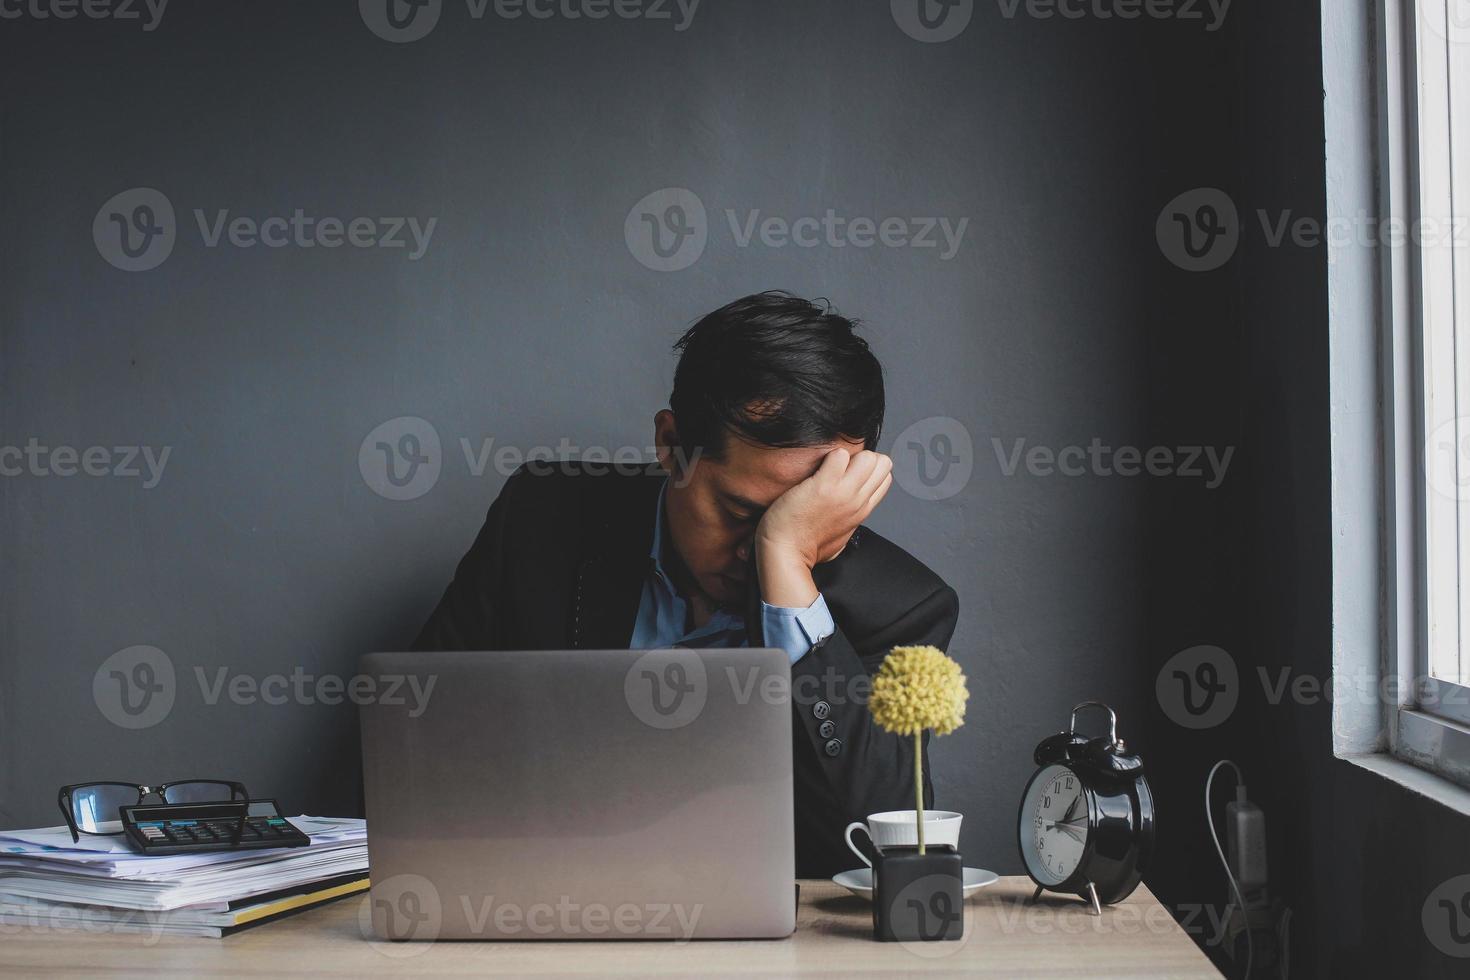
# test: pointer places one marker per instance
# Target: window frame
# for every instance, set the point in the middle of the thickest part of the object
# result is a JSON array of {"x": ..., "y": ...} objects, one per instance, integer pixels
[{"x": 1427, "y": 719}]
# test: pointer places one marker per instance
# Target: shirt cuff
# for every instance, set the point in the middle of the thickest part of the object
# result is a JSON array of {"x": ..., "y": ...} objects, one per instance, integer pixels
[{"x": 797, "y": 630}]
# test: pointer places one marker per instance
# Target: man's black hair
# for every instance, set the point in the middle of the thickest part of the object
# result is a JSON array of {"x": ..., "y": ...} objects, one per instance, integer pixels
[{"x": 776, "y": 370}]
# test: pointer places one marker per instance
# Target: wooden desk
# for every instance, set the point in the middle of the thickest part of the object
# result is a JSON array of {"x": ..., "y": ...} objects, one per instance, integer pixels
[{"x": 1004, "y": 937}]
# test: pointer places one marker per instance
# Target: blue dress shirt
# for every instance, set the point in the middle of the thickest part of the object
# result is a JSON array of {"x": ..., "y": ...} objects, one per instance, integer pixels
[{"x": 663, "y": 614}]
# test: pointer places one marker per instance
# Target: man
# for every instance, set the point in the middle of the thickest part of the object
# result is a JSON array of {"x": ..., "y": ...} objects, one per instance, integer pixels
[{"x": 746, "y": 532}]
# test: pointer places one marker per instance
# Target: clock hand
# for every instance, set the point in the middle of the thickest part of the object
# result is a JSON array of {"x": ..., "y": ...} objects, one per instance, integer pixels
[
  {"x": 1071, "y": 809},
  {"x": 1070, "y": 830},
  {"x": 1068, "y": 827}
]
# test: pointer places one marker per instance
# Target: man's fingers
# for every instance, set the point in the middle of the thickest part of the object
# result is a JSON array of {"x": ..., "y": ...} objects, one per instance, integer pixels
[
  {"x": 834, "y": 465},
  {"x": 877, "y": 497},
  {"x": 859, "y": 469},
  {"x": 882, "y": 466}
]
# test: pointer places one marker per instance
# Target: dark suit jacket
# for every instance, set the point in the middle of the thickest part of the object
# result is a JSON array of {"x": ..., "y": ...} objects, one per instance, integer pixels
[{"x": 561, "y": 563}]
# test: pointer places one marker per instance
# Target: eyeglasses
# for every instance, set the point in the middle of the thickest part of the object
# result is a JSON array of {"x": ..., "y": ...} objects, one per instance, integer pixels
[{"x": 87, "y": 806}]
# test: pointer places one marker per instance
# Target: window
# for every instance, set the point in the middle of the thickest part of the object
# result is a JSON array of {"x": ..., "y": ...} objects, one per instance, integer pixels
[{"x": 1427, "y": 182}]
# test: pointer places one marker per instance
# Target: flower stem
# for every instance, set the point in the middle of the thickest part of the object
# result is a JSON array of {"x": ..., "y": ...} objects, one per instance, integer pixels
[{"x": 919, "y": 784}]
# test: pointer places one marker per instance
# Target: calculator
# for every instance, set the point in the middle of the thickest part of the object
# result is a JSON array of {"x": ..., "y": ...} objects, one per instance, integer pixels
[{"x": 178, "y": 828}]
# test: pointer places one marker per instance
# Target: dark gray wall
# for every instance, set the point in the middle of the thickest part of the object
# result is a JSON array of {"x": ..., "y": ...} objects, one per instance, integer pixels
[
  {"x": 263, "y": 549},
  {"x": 1352, "y": 854},
  {"x": 528, "y": 320}
]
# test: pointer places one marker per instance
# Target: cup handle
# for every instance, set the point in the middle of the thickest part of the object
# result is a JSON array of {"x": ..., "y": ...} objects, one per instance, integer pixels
[{"x": 847, "y": 836}]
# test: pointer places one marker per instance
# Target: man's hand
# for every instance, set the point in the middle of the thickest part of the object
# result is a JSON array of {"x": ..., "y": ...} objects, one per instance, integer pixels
[{"x": 813, "y": 521}]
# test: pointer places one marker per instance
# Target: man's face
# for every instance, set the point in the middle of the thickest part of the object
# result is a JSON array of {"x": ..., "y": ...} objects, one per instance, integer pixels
[{"x": 714, "y": 506}]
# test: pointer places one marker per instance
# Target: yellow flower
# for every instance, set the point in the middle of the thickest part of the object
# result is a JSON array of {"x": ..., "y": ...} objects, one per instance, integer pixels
[{"x": 918, "y": 688}]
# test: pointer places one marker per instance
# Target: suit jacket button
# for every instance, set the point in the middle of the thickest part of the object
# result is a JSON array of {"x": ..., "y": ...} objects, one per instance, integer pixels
[
  {"x": 821, "y": 710},
  {"x": 827, "y": 729},
  {"x": 833, "y": 746}
]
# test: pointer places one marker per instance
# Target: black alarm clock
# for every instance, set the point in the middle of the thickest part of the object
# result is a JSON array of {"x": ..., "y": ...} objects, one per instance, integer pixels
[{"x": 1086, "y": 824}]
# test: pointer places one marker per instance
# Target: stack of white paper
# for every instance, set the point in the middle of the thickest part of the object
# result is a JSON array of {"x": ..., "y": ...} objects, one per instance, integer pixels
[{"x": 46, "y": 866}]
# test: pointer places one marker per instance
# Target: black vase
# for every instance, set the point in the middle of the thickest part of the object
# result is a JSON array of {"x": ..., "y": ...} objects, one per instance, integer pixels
[{"x": 918, "y": 897}]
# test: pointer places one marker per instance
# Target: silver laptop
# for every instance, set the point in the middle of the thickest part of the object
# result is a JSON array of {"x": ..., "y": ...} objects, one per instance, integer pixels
[{"x": 580, "y": 794}]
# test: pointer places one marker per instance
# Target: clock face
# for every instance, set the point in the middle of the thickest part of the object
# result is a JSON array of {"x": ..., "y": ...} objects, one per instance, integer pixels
[{"x": 1054, "y": 825}]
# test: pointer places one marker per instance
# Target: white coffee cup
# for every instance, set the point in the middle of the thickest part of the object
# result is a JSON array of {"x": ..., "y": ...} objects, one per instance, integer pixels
[{"x": 898, "y": 828}]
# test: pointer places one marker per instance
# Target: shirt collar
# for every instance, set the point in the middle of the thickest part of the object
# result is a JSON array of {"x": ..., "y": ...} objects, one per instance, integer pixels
[
  {"x": 723, "y": 618},
  {"x": 656, "y": 551}
]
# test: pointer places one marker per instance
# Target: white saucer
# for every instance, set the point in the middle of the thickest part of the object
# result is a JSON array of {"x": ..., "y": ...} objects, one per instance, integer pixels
[{"x": 859, "y": 881}]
